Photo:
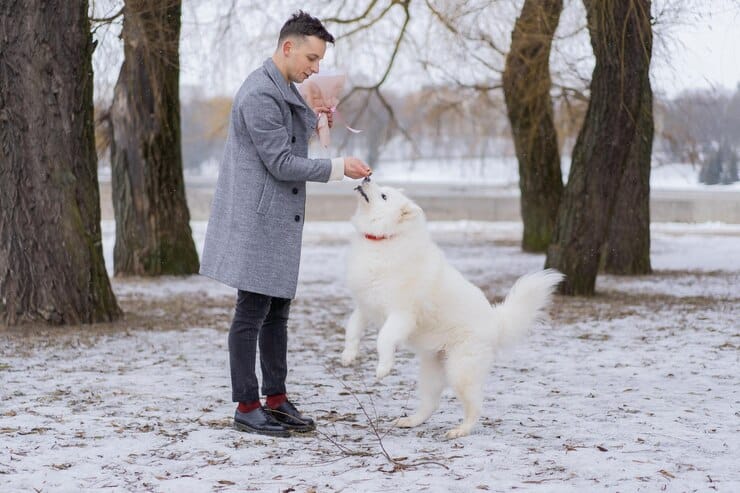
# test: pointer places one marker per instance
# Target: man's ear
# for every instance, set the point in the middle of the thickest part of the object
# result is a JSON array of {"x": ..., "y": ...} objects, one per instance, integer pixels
[{"x": 287, "y": 47}]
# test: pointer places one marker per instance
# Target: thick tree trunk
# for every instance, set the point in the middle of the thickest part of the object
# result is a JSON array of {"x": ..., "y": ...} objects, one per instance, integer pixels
[
  {"x": 621, "y": 38},
  {"x": 526, "y": 82},
  {"x": 627, "y": 249},
  {"x": 153, "y": 235},
  {"x": 51, "y": 257}
]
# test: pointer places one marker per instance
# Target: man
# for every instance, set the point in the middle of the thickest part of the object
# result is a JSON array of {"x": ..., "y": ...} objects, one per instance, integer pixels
[{"x": 253, "y": 240}]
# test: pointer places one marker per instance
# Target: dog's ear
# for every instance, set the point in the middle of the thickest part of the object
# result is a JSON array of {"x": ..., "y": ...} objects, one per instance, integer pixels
[{"x": 409, "y": 210}]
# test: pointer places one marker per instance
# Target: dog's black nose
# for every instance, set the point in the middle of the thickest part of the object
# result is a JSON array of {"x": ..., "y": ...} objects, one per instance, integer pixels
[{"x": 366, "y": 180}]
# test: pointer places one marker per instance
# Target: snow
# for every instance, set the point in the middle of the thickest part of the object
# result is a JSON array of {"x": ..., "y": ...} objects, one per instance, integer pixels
[
  {"x": 497, "y": 171},
  {"x": 683, "y": 176},
  {"x": 635, "y": 389}
]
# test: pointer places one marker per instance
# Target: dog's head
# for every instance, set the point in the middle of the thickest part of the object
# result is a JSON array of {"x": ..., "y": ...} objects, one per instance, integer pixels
[{"x": 384, "y": 211}]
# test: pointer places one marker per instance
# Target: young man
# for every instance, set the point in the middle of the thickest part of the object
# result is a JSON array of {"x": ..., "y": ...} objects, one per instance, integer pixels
[{"x": 253, "y": 240}]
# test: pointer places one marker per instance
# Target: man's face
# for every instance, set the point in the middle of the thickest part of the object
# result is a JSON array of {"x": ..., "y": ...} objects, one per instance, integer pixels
[{"x": 303, "y": 56}]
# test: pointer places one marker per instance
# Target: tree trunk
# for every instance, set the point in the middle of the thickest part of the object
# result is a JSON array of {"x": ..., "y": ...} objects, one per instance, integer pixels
[
  {"x": 526, "y": 82},
  {"x": 621, "y": 38},
  {"x": 153, "y": 235},
  {"x": 627, "y": 249},
  {"x": 51, "y": 256}
]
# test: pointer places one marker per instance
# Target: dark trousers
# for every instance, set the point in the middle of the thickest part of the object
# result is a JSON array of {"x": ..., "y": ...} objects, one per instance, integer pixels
[{"x": 258, "y": 319}]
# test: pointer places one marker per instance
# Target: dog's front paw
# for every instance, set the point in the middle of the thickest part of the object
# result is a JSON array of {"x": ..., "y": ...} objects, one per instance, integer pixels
[
  {"x": 408, "y": 422},
  {"x": 460, "y": 431},
  {"x": 383, "y": 370},
  {"x": 348, "y": 357}
]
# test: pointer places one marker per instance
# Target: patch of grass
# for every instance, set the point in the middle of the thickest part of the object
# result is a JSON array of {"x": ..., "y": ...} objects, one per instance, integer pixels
[{"x": 594, "y": 337}]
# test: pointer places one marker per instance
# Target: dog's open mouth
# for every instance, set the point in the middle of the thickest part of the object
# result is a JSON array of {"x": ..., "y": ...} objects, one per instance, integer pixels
[{"x": 362, "y": 192}]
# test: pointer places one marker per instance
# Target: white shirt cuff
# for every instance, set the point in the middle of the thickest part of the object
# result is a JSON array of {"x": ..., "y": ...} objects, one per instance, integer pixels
[{"x": 337, "y": 169}]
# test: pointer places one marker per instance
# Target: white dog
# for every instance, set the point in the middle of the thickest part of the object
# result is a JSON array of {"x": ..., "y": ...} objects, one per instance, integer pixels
[{"x": 401, "y": 281}]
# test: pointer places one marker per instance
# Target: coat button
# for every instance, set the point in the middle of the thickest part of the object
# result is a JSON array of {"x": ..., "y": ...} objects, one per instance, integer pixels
[
  {"x": 295, "y": 191},
  {"x": 297, "y": 218},
  {"x": 293, "y": 139}
]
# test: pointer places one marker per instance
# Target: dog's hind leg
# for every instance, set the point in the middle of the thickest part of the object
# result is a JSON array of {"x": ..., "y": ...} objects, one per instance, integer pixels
[
  {"x": 352, "y": 336},
  {"x": 431, "y": 384},
  {"x": 395, "y": 330},
  {"x": 466, "y": 374}
]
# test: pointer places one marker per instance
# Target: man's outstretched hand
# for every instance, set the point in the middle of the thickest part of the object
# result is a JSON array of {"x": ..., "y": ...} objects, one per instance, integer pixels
[{"x": 356, "y": 168}]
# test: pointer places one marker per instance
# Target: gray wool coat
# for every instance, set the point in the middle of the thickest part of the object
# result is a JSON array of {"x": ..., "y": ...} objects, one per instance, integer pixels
[{"x": 253, "y": 239}]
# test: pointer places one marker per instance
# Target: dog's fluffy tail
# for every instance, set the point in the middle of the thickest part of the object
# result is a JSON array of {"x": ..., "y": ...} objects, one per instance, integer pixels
[{"x": 525, "y": 305}]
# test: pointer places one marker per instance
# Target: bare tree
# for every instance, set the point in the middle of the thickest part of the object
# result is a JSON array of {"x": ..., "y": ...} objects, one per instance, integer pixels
[
  {"x": 375, "y": 12},
  {"x": 527, "y": 85},
  {"x": 153, "y": 234},
  {"x": 627, "y": 247},
  {"x": 51, "y": 257},
  {"x": 621, "y": 37}
]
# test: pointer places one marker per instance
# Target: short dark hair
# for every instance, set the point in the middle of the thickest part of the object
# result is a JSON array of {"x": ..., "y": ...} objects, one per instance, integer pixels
[{"x": 302, "y": 24}]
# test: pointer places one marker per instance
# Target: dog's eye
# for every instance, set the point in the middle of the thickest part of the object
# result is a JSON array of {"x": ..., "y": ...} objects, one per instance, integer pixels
[{"x": 383, "y": 196}]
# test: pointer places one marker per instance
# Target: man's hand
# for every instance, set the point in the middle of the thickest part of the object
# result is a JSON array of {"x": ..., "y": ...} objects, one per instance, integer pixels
[
  {"x": 329, "y": 114},
  {"x": 356, "y": 168}
]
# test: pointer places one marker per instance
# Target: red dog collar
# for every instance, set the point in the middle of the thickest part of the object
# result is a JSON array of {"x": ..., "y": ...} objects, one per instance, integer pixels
[{"x": 375, "y": 238}]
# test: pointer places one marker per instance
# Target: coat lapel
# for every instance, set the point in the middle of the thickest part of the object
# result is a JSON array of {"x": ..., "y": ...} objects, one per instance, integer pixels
[{"x": 290, "y": 94}]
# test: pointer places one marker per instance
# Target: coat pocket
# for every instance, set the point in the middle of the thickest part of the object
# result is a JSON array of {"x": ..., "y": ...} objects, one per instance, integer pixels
[{"x": 268, "y": 192}]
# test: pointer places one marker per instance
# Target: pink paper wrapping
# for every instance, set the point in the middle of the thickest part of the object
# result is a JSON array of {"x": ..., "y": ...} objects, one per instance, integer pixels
[{"x": 322, "y": 90}]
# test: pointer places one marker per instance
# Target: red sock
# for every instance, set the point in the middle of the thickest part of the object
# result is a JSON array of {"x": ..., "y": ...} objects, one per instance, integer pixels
[
  {"x": 245, "y": 407},
  {"x": 274, "y": 401}
]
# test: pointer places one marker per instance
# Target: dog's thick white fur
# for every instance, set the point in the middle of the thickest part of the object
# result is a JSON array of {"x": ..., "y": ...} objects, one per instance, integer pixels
[{"x": 401, "y": 281}]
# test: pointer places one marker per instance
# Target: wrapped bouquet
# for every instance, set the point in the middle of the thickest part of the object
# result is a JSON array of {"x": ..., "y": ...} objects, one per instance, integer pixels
[{"x": 324, "y": 90}]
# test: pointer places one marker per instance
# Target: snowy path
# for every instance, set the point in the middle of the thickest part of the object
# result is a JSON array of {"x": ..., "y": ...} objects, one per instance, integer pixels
[{"x": 636, "y": 389}]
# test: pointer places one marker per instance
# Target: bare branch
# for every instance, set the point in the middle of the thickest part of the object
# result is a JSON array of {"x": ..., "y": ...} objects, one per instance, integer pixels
[
  {"x": 354, "y": 19},
  {"x": 397, "y": 46},
  {"x": 477, "y": 86},
  {"x": 109, "y": 19},
  {"x": 488, "y": 41},
  {"x": 397, "y": 463},
  {"x": 226, "y": 23},
  {"x": 392, "y": 114},
  {"x": 575, "y": 92},
  {"x": 368, "y": 25},
  {"x": 444, "y": 20},
  {"x": 375, "y": 88}
]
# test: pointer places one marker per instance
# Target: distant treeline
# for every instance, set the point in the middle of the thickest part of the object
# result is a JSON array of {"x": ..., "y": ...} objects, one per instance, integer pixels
[{"x": 701, "y": 127}]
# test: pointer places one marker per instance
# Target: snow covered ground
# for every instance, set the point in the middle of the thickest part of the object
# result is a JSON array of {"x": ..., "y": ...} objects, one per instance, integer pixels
[
  {"x": 495, "y": 171},
  {"x": 635, "y": 389}
]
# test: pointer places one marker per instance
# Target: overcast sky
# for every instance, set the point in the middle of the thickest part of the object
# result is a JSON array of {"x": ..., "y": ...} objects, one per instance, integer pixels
[
  {"x": 698, "y": 48},
  {"x": 703, "y": 51}
]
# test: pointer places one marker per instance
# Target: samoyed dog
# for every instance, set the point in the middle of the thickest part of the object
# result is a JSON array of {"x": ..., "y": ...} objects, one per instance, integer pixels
[{"x": 401, "y": 282}]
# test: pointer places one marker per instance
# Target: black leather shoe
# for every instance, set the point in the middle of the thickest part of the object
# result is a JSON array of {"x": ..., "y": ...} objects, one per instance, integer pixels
[
  {"x": 258, "y": 421},
  {"x": 291, "y": 418}
]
